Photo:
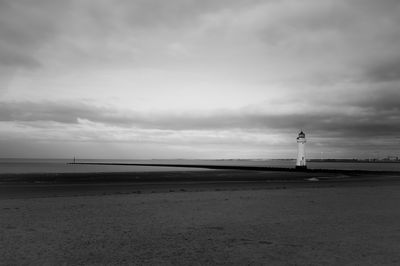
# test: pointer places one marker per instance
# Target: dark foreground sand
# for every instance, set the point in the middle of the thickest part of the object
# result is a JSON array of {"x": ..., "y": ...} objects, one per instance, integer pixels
[{"x": 255, "y": 223}]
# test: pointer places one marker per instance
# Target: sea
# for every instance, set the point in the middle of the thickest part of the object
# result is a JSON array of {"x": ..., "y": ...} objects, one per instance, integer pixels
[{"x": 18, "y": 166}]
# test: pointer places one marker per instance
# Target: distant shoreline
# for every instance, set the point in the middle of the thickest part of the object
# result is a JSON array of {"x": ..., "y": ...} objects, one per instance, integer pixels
[
  {"x": 349, "y": 161},
  {"x": 352, "y": 160}
]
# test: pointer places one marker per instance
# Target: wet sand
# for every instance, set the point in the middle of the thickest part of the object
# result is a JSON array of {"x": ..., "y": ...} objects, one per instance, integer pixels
[{"x": 271, "y": 219}]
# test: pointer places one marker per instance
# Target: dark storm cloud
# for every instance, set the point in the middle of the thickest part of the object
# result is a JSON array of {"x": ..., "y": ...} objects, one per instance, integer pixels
[
  {"x": 388, "y": 70},
  {"x": 176, "y": 13},
  {"x": 51, "y": 111},
  {"x": 15, "y": 59},
  {"x": 374, "y": 122},
  {"x": 28, "y": 26},
  {"x": 382, "y": 102},
  {"x": 24, "y": 27}
]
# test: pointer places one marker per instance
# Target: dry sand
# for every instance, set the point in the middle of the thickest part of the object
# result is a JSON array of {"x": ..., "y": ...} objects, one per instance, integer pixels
[{"x": 293, "y": 225}]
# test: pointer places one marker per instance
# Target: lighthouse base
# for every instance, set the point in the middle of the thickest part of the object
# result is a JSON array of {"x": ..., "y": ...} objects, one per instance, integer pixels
[{"x": 301, "y": 167}]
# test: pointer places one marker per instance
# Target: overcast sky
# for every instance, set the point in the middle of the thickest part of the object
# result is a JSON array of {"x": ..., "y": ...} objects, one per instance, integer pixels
[{"x": 199, "y": 78}]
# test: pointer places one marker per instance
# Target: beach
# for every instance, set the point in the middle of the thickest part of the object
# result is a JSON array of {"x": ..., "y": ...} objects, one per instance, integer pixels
[{"x": 269, "y": 219}]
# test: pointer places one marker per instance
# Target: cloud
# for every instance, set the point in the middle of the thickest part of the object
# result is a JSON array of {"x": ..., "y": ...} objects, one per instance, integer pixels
[
  {"x": 25, "y": 26},
  {"x": 14, "y": 59},
  {"x": 210, "y": 67},
  {"x": 244, "y": 133},
  {"x": 372, "y": 122},
  {"x": 294, "y": 36},
  {"x": 384, "y": 70}
]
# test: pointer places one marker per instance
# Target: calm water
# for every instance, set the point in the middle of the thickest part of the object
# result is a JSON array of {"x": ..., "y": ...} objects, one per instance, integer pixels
[{"x": 60, "y": 165}]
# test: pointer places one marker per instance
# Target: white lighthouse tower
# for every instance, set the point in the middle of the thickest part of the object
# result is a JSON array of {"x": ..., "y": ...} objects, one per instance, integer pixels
[{"x": 301, "y": 155}]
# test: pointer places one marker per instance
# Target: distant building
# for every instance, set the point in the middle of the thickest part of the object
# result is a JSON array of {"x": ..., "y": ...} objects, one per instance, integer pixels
[
  {"x": 301, "y": 155},
  {"x": 391, "y": 158}
]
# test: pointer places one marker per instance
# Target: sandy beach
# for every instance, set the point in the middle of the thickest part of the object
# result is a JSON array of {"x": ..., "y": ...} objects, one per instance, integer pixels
[{"x": 299, "y": 221}]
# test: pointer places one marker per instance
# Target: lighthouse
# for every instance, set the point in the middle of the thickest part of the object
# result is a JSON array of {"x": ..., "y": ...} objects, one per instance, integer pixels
[{"x": 301, "y": 155}]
